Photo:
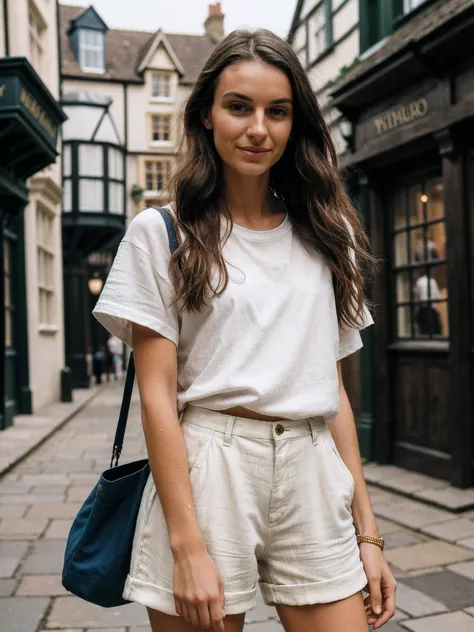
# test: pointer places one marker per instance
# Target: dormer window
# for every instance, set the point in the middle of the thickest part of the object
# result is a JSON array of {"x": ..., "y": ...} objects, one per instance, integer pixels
[
  {"x": 160, "y": 86},
  {"x": 92, "y": 50}
]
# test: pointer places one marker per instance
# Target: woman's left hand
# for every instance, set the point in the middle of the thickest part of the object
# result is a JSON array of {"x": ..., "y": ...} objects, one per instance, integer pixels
[{"x": 381, "y": 586}]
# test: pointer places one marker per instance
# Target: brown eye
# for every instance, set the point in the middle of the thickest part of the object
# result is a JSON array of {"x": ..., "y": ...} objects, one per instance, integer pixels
[
  {"x": 279, "y": 112},
  {"x": 237, "y": 107}
]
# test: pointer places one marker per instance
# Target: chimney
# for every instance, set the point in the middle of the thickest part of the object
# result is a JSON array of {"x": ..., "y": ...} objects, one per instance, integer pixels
[{"x": 214, "y": 24}]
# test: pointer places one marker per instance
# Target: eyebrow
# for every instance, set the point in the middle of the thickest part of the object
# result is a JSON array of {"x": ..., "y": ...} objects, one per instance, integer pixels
[{"x": 244, "y": 97}]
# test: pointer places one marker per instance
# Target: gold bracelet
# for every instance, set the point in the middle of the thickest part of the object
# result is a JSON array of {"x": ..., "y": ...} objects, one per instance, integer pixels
[{"x": 380, "y": 542}]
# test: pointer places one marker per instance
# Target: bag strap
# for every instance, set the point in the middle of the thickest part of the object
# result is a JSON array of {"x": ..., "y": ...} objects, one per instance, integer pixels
[{"x": 129, "y": 380}]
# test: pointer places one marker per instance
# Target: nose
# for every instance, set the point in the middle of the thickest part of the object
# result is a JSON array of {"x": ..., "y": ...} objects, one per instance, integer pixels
[{"x": 257, "y": 128}]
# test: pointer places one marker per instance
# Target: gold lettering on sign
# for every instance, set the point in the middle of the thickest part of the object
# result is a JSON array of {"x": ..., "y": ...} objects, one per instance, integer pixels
[
  {"x": 401, "y": 116},
  {"x": 2, "y": 90},
  {"x": 32, "y": 105}
]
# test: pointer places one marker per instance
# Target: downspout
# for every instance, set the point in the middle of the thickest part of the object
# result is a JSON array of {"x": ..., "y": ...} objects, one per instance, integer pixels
[
  {"x": 58, "y": 37},
  {"x": 5, "y": 28}
]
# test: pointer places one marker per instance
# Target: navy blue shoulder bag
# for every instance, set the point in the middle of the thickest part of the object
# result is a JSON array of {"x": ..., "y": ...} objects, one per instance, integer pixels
[{"x": 99, "y": 546}]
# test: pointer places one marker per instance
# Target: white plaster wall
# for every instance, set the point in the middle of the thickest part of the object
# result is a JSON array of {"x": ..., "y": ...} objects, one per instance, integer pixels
[
  {"x": 329, "y": 67},
  {"x": 2, "y": 37},
  {"x": 345, "y": 19},
  {"x": 113, "y": 90}
]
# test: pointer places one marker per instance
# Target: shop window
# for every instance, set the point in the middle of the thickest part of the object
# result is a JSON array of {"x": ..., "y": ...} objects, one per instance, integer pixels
[
  {"x": 37, "y": 31},
  {"x": 92, "y": 50},
  {"x": 157, "y": 174},
  {"x": 160, "y": 128},
  {"x": 45, "y": 259},
  {"x": 419, "y": 262},
  {"x": 161, "y": 85}
]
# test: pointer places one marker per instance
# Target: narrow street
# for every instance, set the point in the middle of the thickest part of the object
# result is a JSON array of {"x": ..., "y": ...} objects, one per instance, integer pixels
[{"x": 39, "y": 498}]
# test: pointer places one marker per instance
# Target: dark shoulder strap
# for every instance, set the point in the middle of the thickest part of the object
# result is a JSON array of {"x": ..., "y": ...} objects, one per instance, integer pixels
[{"x": 129, "y": 380}]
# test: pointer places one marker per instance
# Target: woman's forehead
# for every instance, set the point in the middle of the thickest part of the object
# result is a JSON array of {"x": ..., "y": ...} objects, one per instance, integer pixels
[{"x": 255, "y": 79}]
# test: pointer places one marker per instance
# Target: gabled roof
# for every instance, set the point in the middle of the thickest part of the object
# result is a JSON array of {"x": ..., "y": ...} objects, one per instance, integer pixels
[
  {"x": 160, "y": 39},
  {"x": 126, "y": 50},
  {"x": 90, "y": 19}
]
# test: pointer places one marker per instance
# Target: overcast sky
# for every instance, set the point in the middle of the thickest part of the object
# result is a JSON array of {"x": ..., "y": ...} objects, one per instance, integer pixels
[{"x": 187, "y": 16}]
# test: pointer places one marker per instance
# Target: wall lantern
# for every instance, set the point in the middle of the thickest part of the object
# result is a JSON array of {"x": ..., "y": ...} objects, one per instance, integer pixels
[{"x": 95, "y": 284}]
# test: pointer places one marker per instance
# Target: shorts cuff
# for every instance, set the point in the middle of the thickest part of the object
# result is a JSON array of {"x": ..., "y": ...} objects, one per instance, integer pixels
[
  {"x": 316, "y": 592},
  {"x": 162, "y": 599}
]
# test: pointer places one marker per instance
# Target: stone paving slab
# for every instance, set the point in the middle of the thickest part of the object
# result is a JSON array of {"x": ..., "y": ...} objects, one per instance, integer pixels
[
  {"x": 413, "y": 515},
  {"x": 41, "y": 585},
  {"x": 22, "y": 614},
  {"x": 39, "y": 427},
  {"x": 416, "y": 603},
  {"x": 451, "y": 497},
  {"x": 452, "y": 531},
  {"x": 22, "y": 529},
  {"x": 7, "y": 587},
  {"x": 58, "y": 529},
  {"x": 13, "y": 511},
  {"x": 464, "y": 568},
  {"x": 450, "y": 622},
  {"x": 428, "y": 554},
  {"x": 451, "y": 589},
  {"x": 72, "y": 611}
]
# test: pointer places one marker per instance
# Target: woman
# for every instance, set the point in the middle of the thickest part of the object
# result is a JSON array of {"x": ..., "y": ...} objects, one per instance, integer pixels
[{"x": 245, "y": 327}]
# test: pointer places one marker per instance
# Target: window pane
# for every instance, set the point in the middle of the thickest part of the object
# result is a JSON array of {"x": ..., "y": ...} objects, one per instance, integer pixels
[
  {"x": 428, "y": 243},
  {"x": 116, "y": 197},
  {"x": 115, "y": 164},
  {"x": 91, "y": 196},
  {"x": 415, "y": 204},
  {"x": 435, "y": 199},
  {"x": 403, "y": 322},
  {"x": 91, "y": 160},
  {"x": 67, "y": 196},
  {"x": 399, "y": 210},
  {"x": 403, "y": 287},
  {"x": 66, "y": 160},
  {"x": 401, "y": 250}
]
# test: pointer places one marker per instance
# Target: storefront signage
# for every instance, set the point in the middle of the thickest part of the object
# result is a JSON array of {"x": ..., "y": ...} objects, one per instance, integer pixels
[
  {"x": 34, "y": 108},
  {"x": 14, "y": 95},
  {"x": 401, "y": 116}
]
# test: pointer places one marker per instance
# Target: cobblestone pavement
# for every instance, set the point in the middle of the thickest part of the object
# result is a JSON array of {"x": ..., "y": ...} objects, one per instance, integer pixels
[{"x": 39, "y": 498}]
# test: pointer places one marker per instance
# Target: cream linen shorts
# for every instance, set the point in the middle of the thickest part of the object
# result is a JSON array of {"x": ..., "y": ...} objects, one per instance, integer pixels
[{"x": 273, "y": 501}]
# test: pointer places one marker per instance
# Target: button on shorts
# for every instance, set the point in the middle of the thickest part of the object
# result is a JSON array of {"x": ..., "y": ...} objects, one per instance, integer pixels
[{"x": 273, "y": 501}]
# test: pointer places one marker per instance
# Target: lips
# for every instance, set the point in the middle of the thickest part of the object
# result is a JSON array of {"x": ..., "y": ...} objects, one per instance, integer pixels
[{"x": 254, "y": 150}]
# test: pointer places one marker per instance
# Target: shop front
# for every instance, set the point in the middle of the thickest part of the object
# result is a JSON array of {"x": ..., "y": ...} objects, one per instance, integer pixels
[
  {"x": 29, "y": 122},
  {"x": 411, "y": 105}
]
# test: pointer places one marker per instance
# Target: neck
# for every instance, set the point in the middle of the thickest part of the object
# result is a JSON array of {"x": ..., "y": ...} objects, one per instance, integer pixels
[{"x": 248, "y": 198}]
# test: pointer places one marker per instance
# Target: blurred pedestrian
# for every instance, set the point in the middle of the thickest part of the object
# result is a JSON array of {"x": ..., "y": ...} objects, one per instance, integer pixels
[
  {"x": 114, "y": 353},
  {"x": 258, "y": 479},
  {"x": 98, "y": 364}
]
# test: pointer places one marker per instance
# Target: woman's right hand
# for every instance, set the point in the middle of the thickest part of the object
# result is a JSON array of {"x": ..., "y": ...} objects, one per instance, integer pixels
[{"x": 199, "y": 591}]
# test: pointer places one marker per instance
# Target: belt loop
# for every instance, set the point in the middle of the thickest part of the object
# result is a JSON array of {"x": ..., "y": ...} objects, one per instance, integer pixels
[
  {"x": 314, "y": 432},
  {"x": 228, "y": 430}
]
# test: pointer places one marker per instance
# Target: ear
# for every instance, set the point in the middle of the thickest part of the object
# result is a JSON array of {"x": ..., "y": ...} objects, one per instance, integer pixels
[{"x": 206, "y": 119}]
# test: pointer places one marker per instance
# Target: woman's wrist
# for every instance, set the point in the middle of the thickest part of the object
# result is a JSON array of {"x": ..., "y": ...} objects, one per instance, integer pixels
[{"x": 187, "y": 544}]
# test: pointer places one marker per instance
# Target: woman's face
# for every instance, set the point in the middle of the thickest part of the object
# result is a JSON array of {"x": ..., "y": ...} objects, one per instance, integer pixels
[{"x": 251, "y": 116}]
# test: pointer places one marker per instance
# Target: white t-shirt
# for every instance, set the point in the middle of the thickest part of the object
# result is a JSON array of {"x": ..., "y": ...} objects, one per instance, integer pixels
[
  {"x": 270, "y": 342},
  {"x": 421, "y": 289}
]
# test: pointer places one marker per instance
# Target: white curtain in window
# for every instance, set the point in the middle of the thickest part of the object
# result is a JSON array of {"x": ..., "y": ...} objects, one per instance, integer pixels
[
  {"x": 67, "y": 196},
  {"x": 115, "y": 164},
  {"x": 91, "y": 160},
  {"x": 116, "y": 198},
  {"x": 66, "y": 160},
  {"x": 91, "y": 196}
]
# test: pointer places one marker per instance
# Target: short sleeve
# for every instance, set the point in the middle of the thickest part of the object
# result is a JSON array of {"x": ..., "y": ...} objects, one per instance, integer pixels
[
  {"x": 350, "y": 339},
  {"x": 138, "y": 289}
]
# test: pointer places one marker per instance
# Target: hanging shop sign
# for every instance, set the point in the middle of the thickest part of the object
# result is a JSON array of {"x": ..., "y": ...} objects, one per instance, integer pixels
[{"x": 401, "y": 116}]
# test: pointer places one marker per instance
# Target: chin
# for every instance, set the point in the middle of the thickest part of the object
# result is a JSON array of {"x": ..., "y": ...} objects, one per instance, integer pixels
[{"x": 249, "y": 169}]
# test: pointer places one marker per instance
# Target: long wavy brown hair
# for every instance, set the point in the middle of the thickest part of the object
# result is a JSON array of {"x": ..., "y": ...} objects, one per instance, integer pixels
[{"x": 306, "y": 179}]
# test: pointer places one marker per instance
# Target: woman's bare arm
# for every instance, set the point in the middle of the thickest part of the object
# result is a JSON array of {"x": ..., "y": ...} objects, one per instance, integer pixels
[
  {"x": 197, "y": 585},
  {"x": 156, "y": 370}
]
